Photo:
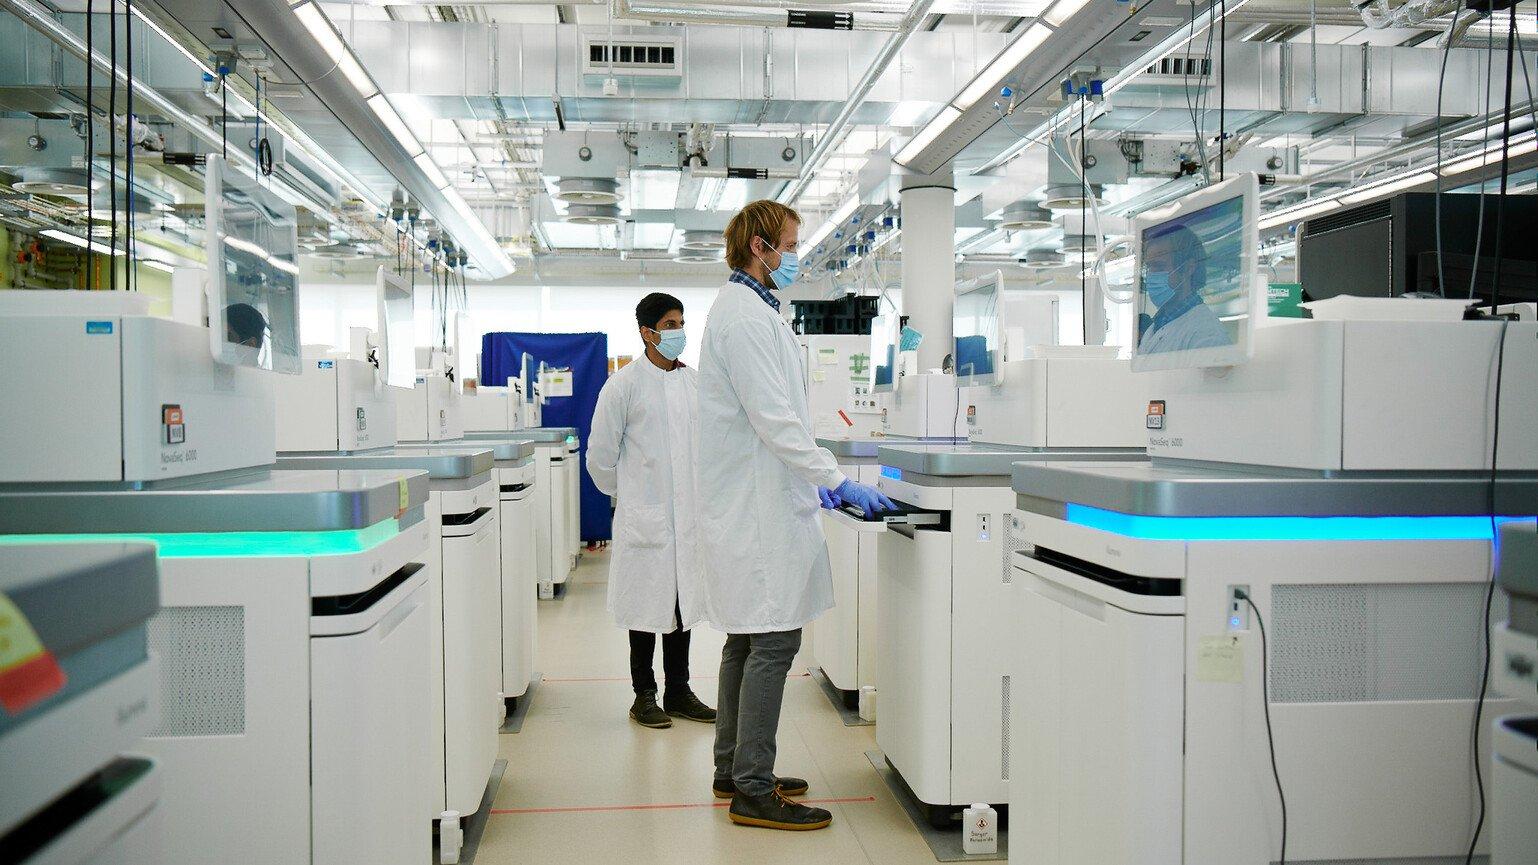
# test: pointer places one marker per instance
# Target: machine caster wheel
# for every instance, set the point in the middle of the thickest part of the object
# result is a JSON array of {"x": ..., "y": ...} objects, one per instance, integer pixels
[{"x": 451, "y": 838}]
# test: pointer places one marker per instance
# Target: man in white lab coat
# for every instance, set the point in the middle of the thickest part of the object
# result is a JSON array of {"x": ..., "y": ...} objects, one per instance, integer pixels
[
  {"x": 1174, "y": 274},
  {"x": 762, "y": 477},
  {"x": 642, "y": 451}
]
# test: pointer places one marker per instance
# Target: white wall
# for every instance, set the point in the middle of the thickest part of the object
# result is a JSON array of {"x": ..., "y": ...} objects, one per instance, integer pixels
[{"x": 326, "y": 311}]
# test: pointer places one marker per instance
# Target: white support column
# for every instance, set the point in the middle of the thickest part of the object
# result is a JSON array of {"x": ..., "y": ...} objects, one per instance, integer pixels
[{"x": 929, "y": 263}]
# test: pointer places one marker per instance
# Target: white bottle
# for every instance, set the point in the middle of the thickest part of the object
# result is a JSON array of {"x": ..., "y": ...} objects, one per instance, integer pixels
[
  {"x": 868, "y": 703},
  {"x": 979, "y": 830}
]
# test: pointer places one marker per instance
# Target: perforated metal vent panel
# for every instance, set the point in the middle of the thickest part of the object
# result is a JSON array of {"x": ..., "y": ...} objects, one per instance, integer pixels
[
  {"x": 1004, "y": 729},
  {"x": 1014, "y": 542},
  {"x": 202, "y": 653},
  {"x": 1366, "y": 643}
]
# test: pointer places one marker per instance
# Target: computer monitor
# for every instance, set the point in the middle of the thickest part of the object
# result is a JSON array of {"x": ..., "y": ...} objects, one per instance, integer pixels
[
  {"x": 884, "y": 335},
  {"x": 252, "y": 243},
  {"x": 1196, "y": 297},
  {"x": 397, "y": 329},
  {"x": 979, "y": 336}
]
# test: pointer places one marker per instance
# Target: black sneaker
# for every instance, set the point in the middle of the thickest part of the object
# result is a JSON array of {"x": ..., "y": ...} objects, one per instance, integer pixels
[
  {"x": 687, "y": 706},
  {"x": 774, "y": 811},
  {"x": 647, "y": 713},
  {"x": 787, "y": 786}
]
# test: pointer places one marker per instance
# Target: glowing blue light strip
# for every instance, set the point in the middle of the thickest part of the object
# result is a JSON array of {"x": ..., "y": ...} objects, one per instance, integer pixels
[
  {"x": 1465, "y": 528},
  {"x": 892, "y": 473}
]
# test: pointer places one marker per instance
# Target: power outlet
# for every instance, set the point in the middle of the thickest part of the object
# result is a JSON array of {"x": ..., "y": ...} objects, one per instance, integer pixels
[{"x": 1238, "y": 609}]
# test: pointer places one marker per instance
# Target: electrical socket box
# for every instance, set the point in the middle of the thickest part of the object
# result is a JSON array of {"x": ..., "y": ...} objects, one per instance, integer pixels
[{"x": 1238, "y": 609}]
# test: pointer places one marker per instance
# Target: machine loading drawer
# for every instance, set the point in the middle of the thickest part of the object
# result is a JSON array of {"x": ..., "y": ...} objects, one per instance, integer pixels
[{"x": 905, "y": 515}]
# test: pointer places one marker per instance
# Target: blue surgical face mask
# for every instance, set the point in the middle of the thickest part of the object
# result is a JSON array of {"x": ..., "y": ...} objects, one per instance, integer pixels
[
  {"x": 670, "y": 343},
  {"x": 785, "y": 275},
  {"x": 1156, "y": 283}
]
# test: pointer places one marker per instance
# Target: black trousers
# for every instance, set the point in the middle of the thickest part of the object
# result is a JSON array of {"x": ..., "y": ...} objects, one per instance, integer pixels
[{"x": 675, "y": 658}]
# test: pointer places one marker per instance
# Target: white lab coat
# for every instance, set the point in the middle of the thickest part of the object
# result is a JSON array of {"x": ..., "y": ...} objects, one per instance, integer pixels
[
  {"x": 766, "y": 560},
  {"x": 642, "y": 451},
  {"x": 1197, "y": 327}
]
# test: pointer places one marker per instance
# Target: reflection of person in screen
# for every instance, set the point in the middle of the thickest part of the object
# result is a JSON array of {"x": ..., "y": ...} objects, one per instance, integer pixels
[
  {"x": 244, "y": 325},
  {"x": 1174, "y": 272}
]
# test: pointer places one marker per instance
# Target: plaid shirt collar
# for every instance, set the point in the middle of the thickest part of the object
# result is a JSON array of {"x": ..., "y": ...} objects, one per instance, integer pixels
[{"x": 741, "y": 278}]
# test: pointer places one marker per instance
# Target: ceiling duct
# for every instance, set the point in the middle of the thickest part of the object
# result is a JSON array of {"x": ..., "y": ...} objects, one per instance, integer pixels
[
  {"x": 1044, "y": 259},
  {"x": 592, "y": 214},
  {"x": 1025, "y": 215},
  {"x": 587, "y": 190},
  {"x": 703, "y": 241},
  {"x": 1070, "y": 196},
  {"x": 54, "y": 181},
  {"x": 691, "y": 256}
]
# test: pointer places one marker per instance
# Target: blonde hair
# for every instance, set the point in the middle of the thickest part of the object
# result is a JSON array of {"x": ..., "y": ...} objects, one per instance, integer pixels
[{"x": 762, "y": 218}]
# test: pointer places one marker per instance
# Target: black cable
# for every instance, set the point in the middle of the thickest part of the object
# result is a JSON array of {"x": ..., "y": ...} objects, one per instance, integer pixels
[
  {"x": 1084, "y": 194},
  {"x": 1479, "y": 222},
  {"x": 112, "y": 143},
  {"x": 1265, "y": 695},
  {"x": 1223, "y": 92},
  {"x": 90, "y": 134},
  {"x": 1500, "y": 201},
  {"x": 1436, "y": 198},
  {"x": 132, "y": 271}
]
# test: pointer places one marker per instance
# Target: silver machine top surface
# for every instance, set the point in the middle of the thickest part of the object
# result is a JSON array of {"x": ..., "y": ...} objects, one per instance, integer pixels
[
  {"x": 246, "y": 500},
  {"x": 944, "y": 459},
  {"x": 439, "y": 461}
]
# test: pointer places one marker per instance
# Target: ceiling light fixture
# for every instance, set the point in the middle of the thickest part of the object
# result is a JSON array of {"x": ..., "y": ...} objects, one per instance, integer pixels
[
  {"x": 992, "y": 77},
  {"x": 1299, "y": 212},
  {"x": 393, "y": 122},
  {"x": 1381, "y": 188},
  {"x": 81, "y": 242}
]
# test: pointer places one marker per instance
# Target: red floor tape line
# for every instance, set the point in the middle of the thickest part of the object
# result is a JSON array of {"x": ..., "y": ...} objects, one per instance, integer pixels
[
  {"x": 852, "y": 800},
  {"x": 627, "y": 678}
]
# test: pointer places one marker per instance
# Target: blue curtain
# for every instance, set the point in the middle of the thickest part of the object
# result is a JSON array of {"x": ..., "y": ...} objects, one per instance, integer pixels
[{"x": 587, "y": 354}]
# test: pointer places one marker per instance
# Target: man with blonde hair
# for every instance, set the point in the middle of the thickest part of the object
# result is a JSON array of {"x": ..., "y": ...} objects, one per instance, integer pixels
[{"x": 761, "y": 479}]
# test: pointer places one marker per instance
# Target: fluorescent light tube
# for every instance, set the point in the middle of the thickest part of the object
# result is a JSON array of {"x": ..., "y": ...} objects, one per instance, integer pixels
[
  {"x": 431, "y": 169},
  {"x": 81, "y": 242},
  {"x": 158, "y": 265},
  {"x": 1298, "y": 212},
  {"x": 321, "y": 31},
  {"x": 927, "y": 135},
  {"x": 285, "y": 266},
  {"x": 1520, "y": 146},
  {"x": 1381, "y": 188},
  {"x": 1063, "y": 10},
  {"x": 244, "y": 246},
  {"x": 355, "y": 74},
  {"x": 989, "y": 80},
  {"x": 393, "y": 122}
]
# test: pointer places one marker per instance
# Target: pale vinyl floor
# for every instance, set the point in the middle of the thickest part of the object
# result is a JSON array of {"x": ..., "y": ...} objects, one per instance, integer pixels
[{"x": 584, "y": 784}]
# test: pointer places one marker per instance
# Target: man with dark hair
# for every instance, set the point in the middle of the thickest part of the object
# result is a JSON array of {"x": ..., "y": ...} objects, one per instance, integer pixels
[
  {"x": 767, "y": 573},
  {"x": 244, "y": 325},
  {"x": 642, "y": 451}
]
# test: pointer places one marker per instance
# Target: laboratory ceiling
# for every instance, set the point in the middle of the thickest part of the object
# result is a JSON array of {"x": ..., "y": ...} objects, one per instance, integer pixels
[{"x": 620, "y": 135}]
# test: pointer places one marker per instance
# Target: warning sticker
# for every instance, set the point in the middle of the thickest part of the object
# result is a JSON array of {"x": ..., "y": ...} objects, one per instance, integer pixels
[
  {"x": 1155, "y": 419},
  {"x": 29, "y": 673}
]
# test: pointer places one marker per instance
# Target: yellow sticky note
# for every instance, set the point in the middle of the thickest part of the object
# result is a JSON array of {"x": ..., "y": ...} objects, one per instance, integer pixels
[
  {"x": 405, "y": 493},
  {"x": 819, "y": 375},
  {"x": 827, "y": 356},
  {"x": 1220, "y": 658}
]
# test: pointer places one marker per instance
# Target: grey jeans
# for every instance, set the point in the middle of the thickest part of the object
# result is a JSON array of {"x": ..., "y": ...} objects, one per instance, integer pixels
[{"x": 753, "y": 670}]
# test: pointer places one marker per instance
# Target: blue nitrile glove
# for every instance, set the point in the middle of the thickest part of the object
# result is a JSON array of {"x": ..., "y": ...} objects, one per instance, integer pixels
[
  {"x": 869, "y": 499},
  {"x": 830, "y": 499}
]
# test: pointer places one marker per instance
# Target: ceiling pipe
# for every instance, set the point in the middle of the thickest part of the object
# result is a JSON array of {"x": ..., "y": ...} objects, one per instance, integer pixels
[
  {"x": 685, "y": 12},
  {"x": 37, "y": 17},
  {"x": 834, "y": 134}
]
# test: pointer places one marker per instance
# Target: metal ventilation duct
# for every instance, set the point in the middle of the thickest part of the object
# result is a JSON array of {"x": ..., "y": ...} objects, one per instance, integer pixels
[
  {"x": 1025, "y": 216},
  {"x": 1044, "y": 259},
  {"x": 1070, "y": 196},
  {"x": 703, "y": 241},
  {"x": 587, "y": 190},
  {"x": 592, "y": 214}
]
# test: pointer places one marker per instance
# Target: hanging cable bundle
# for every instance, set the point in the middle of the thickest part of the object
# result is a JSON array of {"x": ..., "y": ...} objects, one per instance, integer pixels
[{"x": 112, "y": 144}]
